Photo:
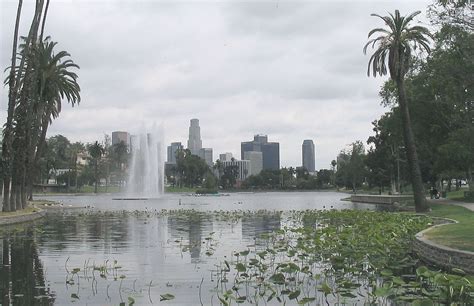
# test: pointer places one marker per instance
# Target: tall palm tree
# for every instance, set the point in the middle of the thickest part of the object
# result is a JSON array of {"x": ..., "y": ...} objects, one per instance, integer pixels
[
  {"x": 96, "y": 150},
  {"x": 54, "y": 82},
  {"x": 6, "y": 143},
  {"x": 395, "y": 46}
]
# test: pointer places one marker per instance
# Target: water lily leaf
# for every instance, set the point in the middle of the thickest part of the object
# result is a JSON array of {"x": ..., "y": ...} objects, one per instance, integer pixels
[
  {"x": 386, "y": 272},
  {"x": 74, "y": 296},
  {"x": 244, "y": 253},
  {"x": 294, "y": 294},
  {"x": 424, "y": 302},
  {"x": 325, "y": 289},
  {"x": 306, "y": 300},
  {"x": 240, "y": 267},
  {"x": 241, "y": 299},
  {"x": 277, "y": 278},
  {"x": 224, "y": 302},
  {"x": 166, "y": 297},
  {"x": 458, "y": 271},
  {"x": 382, "y": 292},
  {"x": 271, "y": 296},
  {"x": 131, "y": 300}
]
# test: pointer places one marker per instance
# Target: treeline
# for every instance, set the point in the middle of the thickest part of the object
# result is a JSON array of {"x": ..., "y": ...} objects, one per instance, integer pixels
[
  {"x": 290, "y": 179},
  {"x": 74, "y": 165},
  {"x": 39, "y": 79},
  {"x": 440, "y": 95}
]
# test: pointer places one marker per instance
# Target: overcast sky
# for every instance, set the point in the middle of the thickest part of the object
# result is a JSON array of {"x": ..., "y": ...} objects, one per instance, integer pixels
[{"x": 291, "y": 69}]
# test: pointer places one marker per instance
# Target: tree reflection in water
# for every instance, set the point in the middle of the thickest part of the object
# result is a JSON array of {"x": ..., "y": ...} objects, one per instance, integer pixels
[{"x": 22, "y": 280}]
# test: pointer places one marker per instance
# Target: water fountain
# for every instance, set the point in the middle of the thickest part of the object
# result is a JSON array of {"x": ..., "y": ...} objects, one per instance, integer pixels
[{"x": 146, "y": 165}]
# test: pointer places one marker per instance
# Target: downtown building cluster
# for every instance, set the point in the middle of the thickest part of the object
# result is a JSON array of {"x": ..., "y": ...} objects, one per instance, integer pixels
[{"x": 255, "y": 155}]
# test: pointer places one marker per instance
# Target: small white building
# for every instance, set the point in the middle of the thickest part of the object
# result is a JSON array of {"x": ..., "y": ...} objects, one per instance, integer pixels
[{"x": 243, "y": 166}]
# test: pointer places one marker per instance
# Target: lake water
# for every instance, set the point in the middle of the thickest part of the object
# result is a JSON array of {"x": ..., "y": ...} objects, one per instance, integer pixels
[{"x": 140, "y": 252}]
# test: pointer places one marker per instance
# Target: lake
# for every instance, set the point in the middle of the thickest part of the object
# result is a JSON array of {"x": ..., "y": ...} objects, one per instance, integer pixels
[{"x": 122, "y": 251}]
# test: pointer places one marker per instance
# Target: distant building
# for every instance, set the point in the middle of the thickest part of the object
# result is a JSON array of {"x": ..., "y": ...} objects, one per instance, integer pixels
[
  {"x": 119, "y": 136},
  {"x": 194, "y": 141},
  {"x": 308, "y": 154},
  {"x": 243, "y": 167},
  {"x": 206, "y": 154},
  {"x": 256, "y": 161},
  {"x": 171, "y": 152},
  {"x": 270, "y": 151},
  {"x": 226, "y": 156}
]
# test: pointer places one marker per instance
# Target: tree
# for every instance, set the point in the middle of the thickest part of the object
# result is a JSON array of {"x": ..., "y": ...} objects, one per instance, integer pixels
[
  {"x": 395, "y": 46},
  {"x": 74, "y": 150},
  {"x": 229, "y": 178},
  {"x": 119, "y": 158},
  {"x": 7, "y": 132},
  {"x": 96, "y": 150},
  {"x": 36, "y": 87}
]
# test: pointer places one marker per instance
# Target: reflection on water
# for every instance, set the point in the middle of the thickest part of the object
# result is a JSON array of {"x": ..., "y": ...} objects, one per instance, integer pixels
[
  {"x": 22, "y": 280},
  {"x": 105, "y": 257}
]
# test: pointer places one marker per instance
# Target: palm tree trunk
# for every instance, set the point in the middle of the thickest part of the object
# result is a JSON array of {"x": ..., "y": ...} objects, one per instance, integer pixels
[
  {"x": 6, "y": 144},
  {"x": 412, "y": 157},
  {"x": 95, "y": 176}
]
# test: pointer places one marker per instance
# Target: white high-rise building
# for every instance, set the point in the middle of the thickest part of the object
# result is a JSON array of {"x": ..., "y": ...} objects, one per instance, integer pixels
[
  {"x": 256, "y": 161},
  {"x": 225, "y": 156},
  {"x": 194, "y": 141}
]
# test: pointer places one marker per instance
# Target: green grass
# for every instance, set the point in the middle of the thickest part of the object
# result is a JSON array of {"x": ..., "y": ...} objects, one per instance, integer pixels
[
  {"x": 180, "y": 189},
  {"x": 460, "y": 235},
  {"x": 26, "y": 211},
  {"x": 458, "y": 195}
]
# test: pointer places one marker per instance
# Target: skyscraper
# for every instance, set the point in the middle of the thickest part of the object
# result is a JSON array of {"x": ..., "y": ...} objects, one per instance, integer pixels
[
  {"x": 256, "y": 161},
  {"x": 270, "y": 151},
  {"x": 194, "y": 141},
  {"x": 171, "y": 152},
  {"x": 308, "y": 155},
  {"x": 206, "y": 154},
  {"x": 118, "y": 136}
]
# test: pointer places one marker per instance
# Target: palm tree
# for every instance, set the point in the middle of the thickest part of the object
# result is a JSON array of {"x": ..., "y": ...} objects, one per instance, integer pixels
[
  {"x": 6, "y": 143},
  {"x": 55, "y": 82},
  {"x": 395, "y": 46},
  {"x": 96, "y": 150}
]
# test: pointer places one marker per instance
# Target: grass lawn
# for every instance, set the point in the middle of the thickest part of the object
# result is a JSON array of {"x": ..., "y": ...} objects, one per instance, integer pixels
[
  {"x": 458, "y": 195},
  {"x": 460, "y": 235},
  {"x": 26, "y": 211}
]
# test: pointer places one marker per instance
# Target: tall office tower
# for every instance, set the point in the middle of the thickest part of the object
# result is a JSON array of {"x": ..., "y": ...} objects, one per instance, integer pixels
[
  {"x": 225, "y": 157},
  {"x": 256, "y": 161},
  {"x": 194, "y": 141},
  {"x": 308, "y": 155},
  {"x": 270, "y": 151},
  {"x": 206, "y": 154},
  {"x": 119, "y": 136},
  {"x": 171, "y": 152}
]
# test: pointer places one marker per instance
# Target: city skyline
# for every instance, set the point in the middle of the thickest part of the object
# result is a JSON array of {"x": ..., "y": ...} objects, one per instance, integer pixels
[{"x": 259, "y": 83}]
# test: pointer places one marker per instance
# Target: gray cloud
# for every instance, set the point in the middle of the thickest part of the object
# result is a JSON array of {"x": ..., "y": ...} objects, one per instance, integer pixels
[{"x": 291, "y": 69}]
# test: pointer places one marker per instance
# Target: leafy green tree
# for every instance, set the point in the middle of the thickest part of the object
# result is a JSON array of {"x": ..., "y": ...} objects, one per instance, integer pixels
[
  {"x": 190, "y": 168},
  {"x": 394, "y": 50},
  {"x": 229, "y": 177}
]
